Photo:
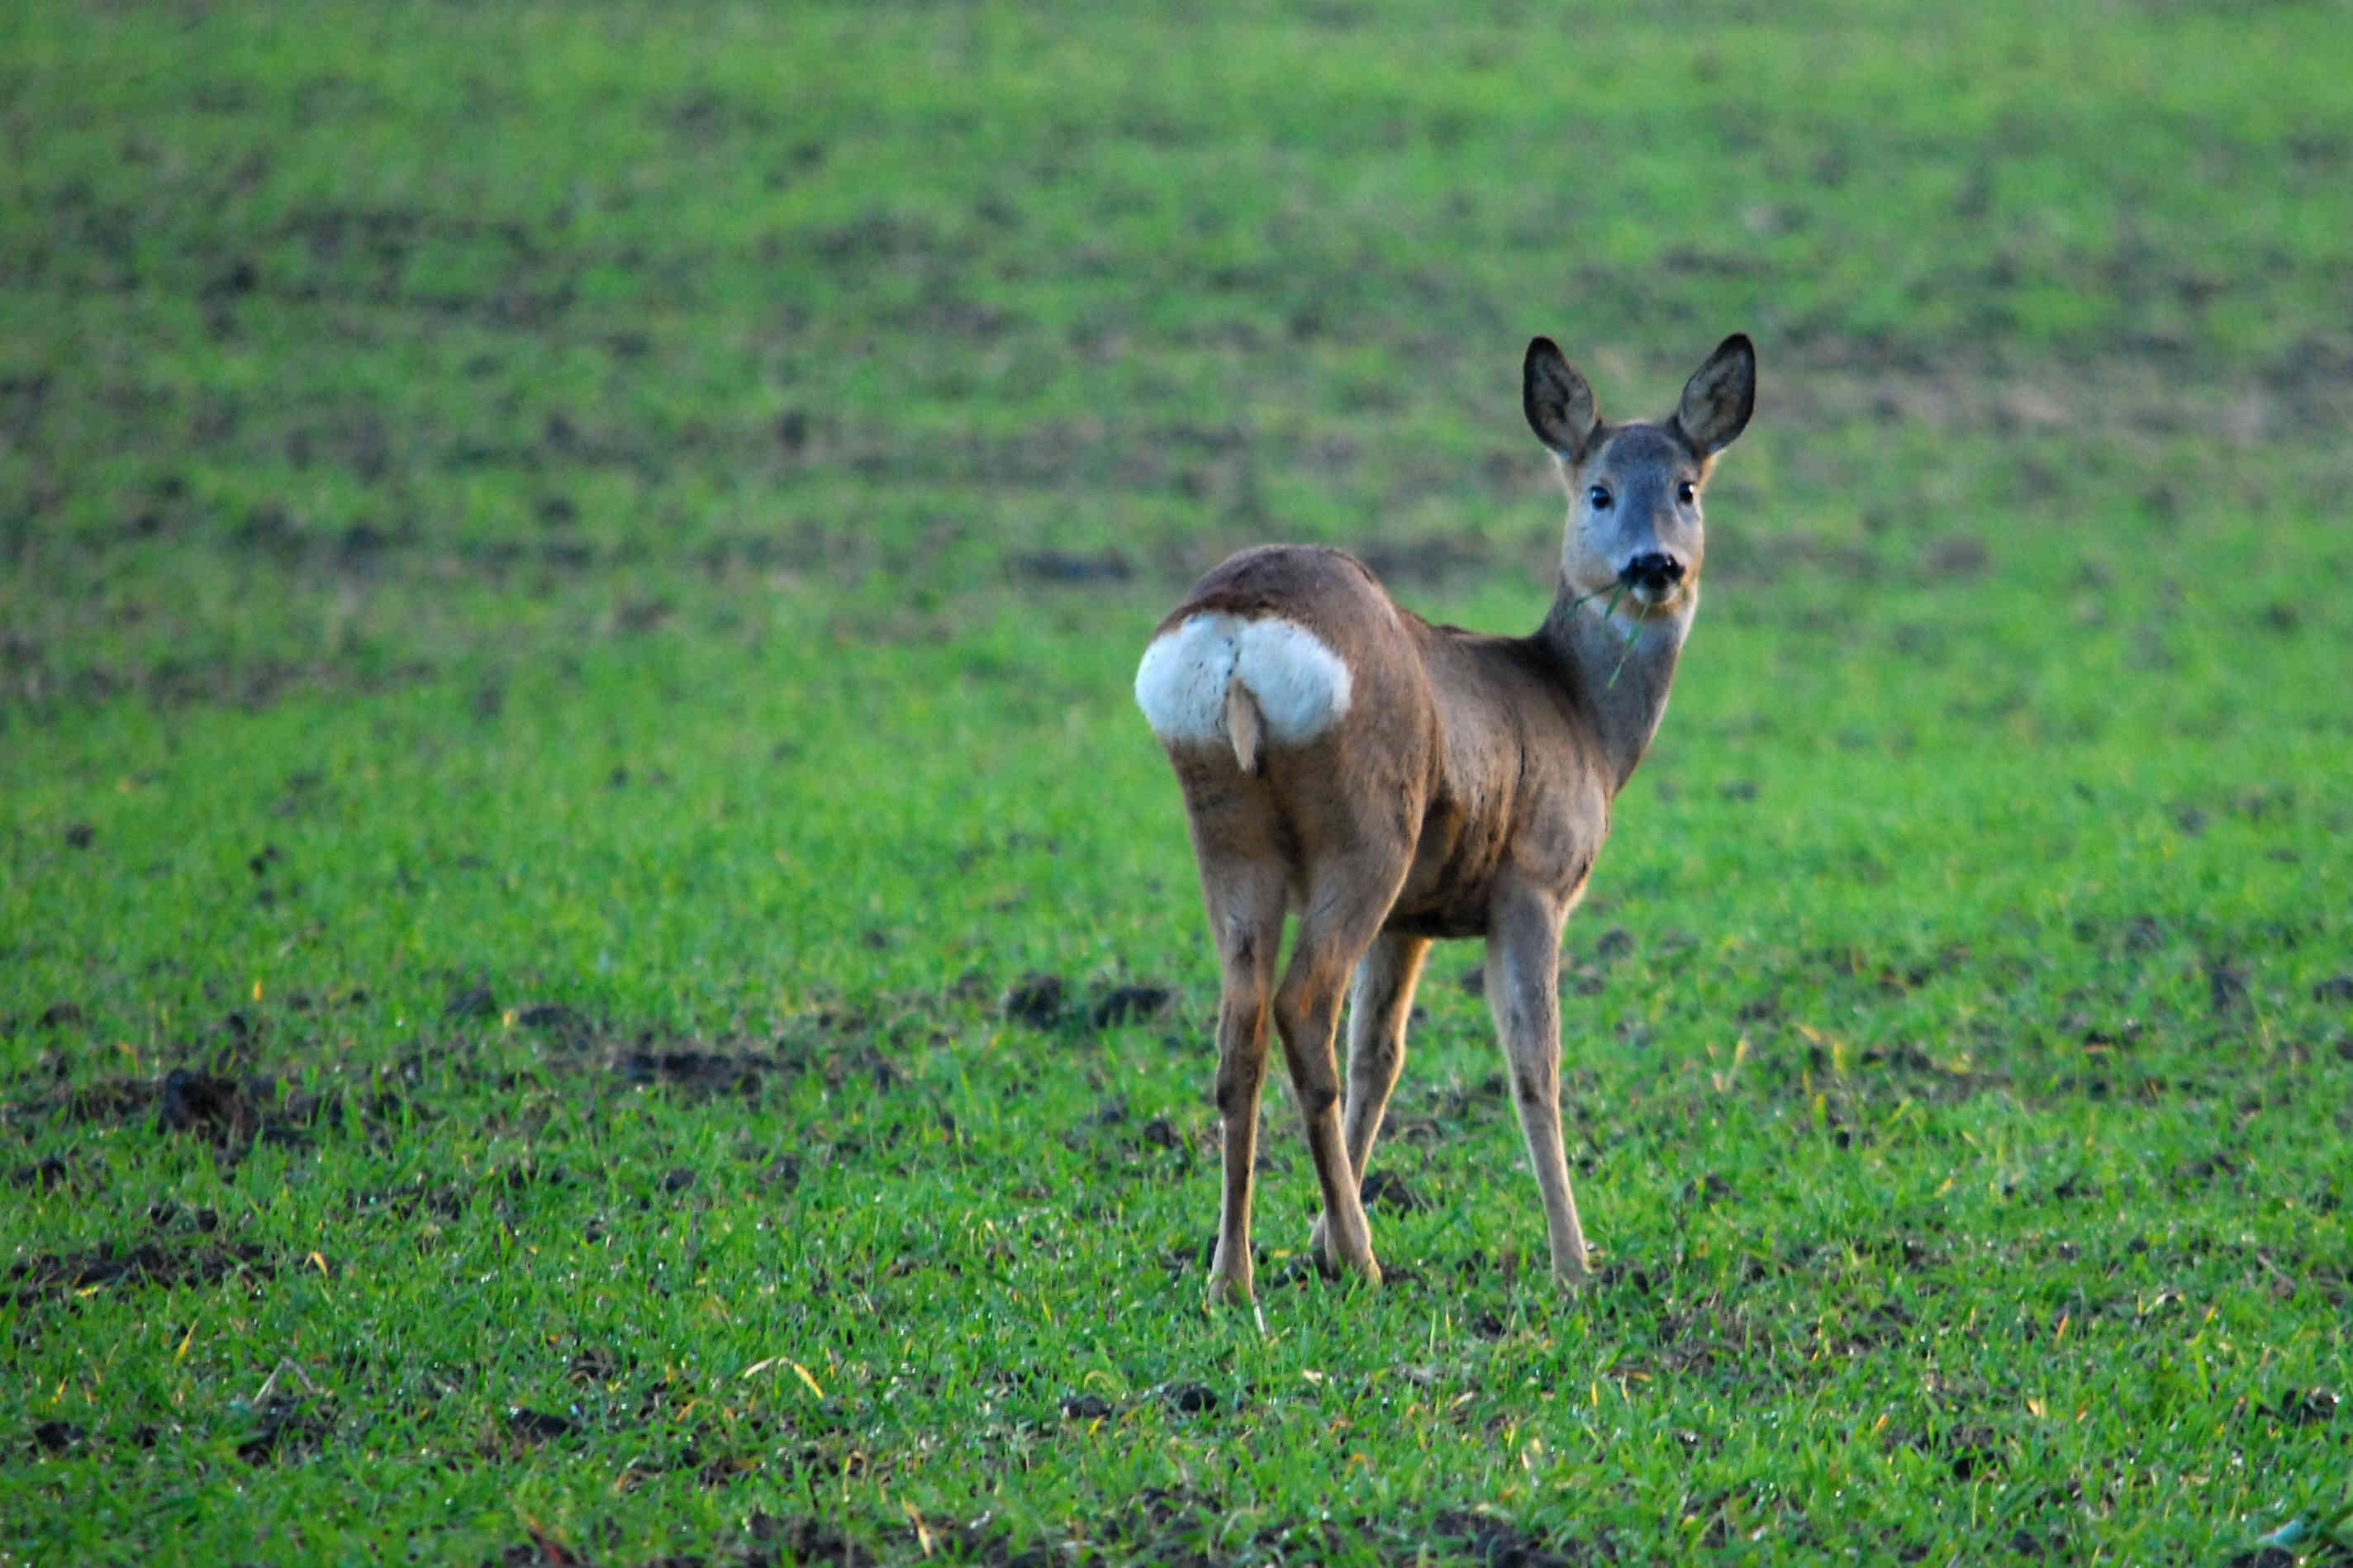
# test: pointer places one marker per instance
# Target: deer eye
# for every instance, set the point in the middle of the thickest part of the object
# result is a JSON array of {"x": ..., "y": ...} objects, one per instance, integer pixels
[
  {"x": 1686, "y": 492},
  {"x": 1598, "y": 498}
]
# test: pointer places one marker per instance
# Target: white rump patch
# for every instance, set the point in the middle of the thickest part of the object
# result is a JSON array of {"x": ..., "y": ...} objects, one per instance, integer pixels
[{"x": 1301, "y": 685}]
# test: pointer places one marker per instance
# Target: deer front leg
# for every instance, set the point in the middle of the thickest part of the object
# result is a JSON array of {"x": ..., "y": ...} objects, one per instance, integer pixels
[
  {"x": 1524, "y": 993},
  {"x": 1379, "y": 1001}
]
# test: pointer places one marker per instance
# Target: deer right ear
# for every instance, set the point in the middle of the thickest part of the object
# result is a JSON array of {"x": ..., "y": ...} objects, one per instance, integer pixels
[
  {"x": 1720, "y": 396},
  {"x": 1558, "y": 404}
]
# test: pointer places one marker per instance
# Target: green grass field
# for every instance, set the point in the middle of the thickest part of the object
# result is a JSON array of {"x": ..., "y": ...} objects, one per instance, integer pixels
[{"x": 596, "y": 966}]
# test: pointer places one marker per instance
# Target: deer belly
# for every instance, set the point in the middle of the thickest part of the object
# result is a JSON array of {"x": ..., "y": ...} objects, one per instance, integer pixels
[
  {"x": 1449, "y": 890},
  {"x": 1440, "y": 925}
]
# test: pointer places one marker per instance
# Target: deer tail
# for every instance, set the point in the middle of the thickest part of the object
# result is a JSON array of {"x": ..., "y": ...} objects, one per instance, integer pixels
[{"x": 1245, "y": 727}]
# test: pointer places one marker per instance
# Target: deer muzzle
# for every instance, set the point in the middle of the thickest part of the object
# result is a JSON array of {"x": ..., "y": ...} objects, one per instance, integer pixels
[{"x": 1652, "y": 577}]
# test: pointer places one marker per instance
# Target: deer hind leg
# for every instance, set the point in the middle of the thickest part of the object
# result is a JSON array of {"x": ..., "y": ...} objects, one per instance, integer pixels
[
  {"x": 1379, "y": 1001},
  {"x": 1347, "y": 899},
  {"x": 1524, "y": 993},
  {"x": 1246, "y": 908}
]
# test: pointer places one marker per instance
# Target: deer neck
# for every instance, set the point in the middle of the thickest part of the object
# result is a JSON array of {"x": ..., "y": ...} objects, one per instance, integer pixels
[{"x": 1616, "y": 666}]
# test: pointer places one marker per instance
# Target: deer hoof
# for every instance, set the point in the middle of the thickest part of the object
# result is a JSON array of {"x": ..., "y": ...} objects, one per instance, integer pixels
[
  {"x": 1574, "y": 1274},
  {"x": 1232, "y": 1290},
  {"x": 1333, "y": 1263}
]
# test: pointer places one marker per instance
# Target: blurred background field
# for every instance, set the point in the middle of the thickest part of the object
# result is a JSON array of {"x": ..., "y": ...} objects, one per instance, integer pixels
[{"x": 574, "y": 826}]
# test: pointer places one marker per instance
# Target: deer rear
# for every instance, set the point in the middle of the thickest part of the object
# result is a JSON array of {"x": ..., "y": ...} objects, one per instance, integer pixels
[{"x": 1392, "y": 783}]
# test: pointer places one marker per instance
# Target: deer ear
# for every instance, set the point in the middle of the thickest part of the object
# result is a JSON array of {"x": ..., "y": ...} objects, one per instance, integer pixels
[
  {"x": 1558, "y": 402},
  {"x": 1720, "y": 396}
]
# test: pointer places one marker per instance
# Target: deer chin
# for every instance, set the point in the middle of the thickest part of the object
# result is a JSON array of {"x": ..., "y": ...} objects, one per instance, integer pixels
[
  {"x": 1654, "y": 604},
  {"x": 1616, "y": 599}
]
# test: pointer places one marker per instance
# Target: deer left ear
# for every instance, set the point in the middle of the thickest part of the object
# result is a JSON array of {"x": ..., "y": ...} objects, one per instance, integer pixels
[
  {"x": 1558, "y": 402},
  {"x": 1720, "y": 396}
]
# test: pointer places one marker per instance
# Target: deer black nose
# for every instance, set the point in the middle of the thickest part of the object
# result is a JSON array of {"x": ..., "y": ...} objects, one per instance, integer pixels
[{"x": 1654, "y": 572}]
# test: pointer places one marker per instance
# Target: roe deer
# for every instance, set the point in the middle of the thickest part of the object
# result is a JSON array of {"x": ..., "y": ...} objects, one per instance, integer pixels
[{"x": 1395, "y": 782}]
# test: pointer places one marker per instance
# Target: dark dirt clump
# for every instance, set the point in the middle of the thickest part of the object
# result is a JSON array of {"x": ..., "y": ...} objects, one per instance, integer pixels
[
  {"x": 1498, "y": 1543},
  {"x": 288, "y": 1431},
  {"x": 537, "y": 1425},
  {"x": 2226, "y": 987},
  {"x": 1130, "y": 1003},
  {"x": 1040, "y": 1000},
  {"x": 57, "y": 1174},
  {"x": 470, "y": 1001},
  {"x": 56, "y": 1437},
  {"x": 567, "y": 1023},
  {"x": 1385, "y": 1189},
  {"x": 807, "y": 1541},
  {"x": 698, "y": 1072},
  {"x": 158, "y": 1263},
  {"x": 594, "y": 1365},
  {"x": 223, "y": 1109},
  {"x": 1192, "y": 1398},
  {"x": 2263, "y": 1557},
  {"x": 2312, "y": 1407},
  {"x": 1035, "y": 1000},
  {"x": 230, "y": 1111}
]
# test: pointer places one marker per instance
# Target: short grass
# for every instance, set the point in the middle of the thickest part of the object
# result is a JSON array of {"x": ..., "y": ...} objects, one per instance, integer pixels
[{"x": 595, "y": 966}]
